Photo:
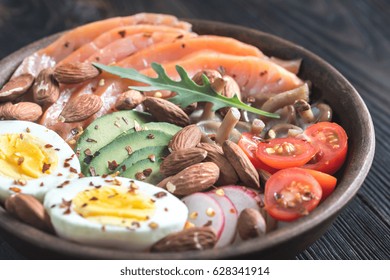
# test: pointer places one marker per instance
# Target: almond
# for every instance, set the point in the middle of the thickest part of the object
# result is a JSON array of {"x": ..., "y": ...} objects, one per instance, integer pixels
[
  {"x": 195, "y": 178},
  {"x": 23, "y": 111},
  {"x": 29, "y": 210},
  {"x": 178, "y": 160},
  {"x": 251, "y": 224},
  {"x": 46, "y": 89},
  {"x": 165, "y": 111},
  {"x": 241, "y": 163},
  {"x": 194, "y": 238},
  {"x": 81, "y": 108},
  {"x": 188, "y": 137},
  {"x": 16, "y": 87},
  {"x": 74, "y": 73},
  {"x": 129, "y": 100},
  {"x": 227, "y": 175}
]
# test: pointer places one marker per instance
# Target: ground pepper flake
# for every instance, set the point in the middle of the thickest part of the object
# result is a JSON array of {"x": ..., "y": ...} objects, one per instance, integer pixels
[
  {"x": 20, "y": 160},
  {"x": 90, "y": 140},
  {"x": 153, "y": 225},
  {"x": 45, "y": 167},
  {"x": 112, "y": 165},
  {"x": 160, "y": 194},
  {"x": 152, "y": 158},
  {"x": 129, "y": 150},
  {"x": 73, "y": 170},
  {"x": 140, "y": 176},
  {"x": 122, "y": 33},
  {"x": 150, "y": 136},
  {"x": 15, "y": 189}
]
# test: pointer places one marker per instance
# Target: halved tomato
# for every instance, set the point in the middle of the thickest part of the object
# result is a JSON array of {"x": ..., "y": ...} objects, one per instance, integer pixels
[
  {"x": 332, "y": 143},
  {"x": 326, "y": 181},
  {"x": 287, "y": 152},
  {"x": 291, "y": 193},
  {"x": 248, "y": 143}
]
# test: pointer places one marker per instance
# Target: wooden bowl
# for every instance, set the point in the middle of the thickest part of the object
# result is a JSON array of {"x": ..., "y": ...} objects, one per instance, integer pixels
[{"x": 286, "y": 242}]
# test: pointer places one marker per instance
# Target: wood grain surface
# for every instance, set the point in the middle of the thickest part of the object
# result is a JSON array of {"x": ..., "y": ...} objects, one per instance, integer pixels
[{"x": 353, "y": 36}]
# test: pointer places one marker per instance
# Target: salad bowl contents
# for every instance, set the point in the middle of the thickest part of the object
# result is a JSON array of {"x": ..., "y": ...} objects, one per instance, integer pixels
[{"x": 138, "y": 137}]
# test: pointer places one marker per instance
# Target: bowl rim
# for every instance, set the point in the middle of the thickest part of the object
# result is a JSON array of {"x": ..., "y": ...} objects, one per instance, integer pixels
[{"x": 326, "y": 210}]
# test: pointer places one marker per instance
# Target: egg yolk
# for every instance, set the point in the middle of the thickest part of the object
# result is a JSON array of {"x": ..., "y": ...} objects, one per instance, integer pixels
[
  {"x": 23, "y": 156},
  {"x": 109, "y": 205}
]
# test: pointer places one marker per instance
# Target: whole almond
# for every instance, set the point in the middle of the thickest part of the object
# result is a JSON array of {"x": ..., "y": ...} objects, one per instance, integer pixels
[
  {"x": 227, "y": 175},
  {"x": 129, "y": 100},
  {"x": 251, "y": 224},
  {"x": 178, "y": 160},
  {"x": 74, "y": 73},
  {"x": 194, "y": 238},
  {"x": 165, "y": 111},
  {"x": 29, "y": 210},
  {"x": 23, "y": 111},
  {"x": 81, "y": 108},
  {"x": 195, "y": 178},
  {"x": 46, "y": 89},
  {"x": 241, "y": 163},
  {"x": 16, "y": 87},
  {"x": 188, "y": 137}
]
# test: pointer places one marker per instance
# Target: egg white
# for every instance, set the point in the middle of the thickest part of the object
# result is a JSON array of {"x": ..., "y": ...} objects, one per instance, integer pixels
[
  {"x": 170, "y": 216},
  {"x": 38, "y": 187}
]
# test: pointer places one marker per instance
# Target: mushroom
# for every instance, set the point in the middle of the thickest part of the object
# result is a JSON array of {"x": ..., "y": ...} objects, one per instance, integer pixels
[{"x": 324, "y": 112}]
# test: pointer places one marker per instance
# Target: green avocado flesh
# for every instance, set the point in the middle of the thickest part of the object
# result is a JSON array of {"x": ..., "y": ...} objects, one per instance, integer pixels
[
  {"x": 151, "y": 153},
  {"x": 104, "y": 130},
  {"x": 145, "y": 170},
  {"x": 112, "y": 155}
]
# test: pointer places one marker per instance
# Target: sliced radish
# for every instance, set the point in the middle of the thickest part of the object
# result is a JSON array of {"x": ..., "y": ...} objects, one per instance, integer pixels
[
  {"x": 205, "y": 210},
  {"x": 241, "y": 197},
  {"x": 231, "y": 216}
]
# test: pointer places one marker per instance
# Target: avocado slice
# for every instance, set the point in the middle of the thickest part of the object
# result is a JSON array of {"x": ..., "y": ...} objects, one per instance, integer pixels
[
  {"x": 122, "y": 147},
  {"x": 163, "y": 126},
  {"x": 145, "y": 170},
  {"x": 104, "y": 130},
  {"x": 150, "y": 153}
]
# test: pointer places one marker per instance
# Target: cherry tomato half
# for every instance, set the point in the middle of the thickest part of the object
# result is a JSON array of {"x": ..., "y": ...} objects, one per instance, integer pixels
[
  {"x": 248, "y": 144},
  {"x": 287, "y": 152},
  {"x": 291, "y": 193},
  {"x": 331, "y": 141},
  {"x": 326, "y": 181}
]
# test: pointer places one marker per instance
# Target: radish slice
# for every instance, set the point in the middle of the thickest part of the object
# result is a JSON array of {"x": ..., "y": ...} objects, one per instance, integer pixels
[
  {"x": 205, "y": 210},
  {"x": 241, "y": 197},
  {"x": 231, "y": 217}
]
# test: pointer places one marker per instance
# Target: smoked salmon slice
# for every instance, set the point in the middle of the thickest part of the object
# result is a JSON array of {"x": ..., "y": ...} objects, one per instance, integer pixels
[
  {"x": 257, "y": 77},
  {"x": 115, "y": 34},
  {"x": 74, "y": 39}
]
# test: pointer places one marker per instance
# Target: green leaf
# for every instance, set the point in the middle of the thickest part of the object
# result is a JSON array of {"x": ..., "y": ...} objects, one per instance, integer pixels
[{"x": 187, "y": 91}]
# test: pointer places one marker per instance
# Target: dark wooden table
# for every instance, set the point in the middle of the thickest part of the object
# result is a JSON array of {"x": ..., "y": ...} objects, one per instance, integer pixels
[{"x": 352, "y": 35}]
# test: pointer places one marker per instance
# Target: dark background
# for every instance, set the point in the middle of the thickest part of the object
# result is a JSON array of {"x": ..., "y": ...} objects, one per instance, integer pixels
[{"x": 352, "y": 35}]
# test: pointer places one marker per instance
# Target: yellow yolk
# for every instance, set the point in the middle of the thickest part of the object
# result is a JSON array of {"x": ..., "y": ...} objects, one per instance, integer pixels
[
  {"x": 110, "y": 205},
  {"x": 23, "y": 156}
]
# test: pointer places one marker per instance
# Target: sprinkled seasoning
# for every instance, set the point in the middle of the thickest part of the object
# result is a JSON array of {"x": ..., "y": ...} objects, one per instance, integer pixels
[
  {"x": 96, "y": 127},
  {"x": 20, "y": 182},
  {"x": 220, "y": 192},
  {"x": 209, "y": 223},
  {"x": 166, "y": 209},
  {"x": 28, "y": 130},
  {"x": 94, "y": 198},
  {"x": 63, "y": 184},
  {"x": 103, "y": 228},
  {"x": 153, "y": 225},
  {"x": 122, "y": 33},
  {"x": 59, "y": 174},
  {"x": 112, "y": 165},
  {"x": 66, "y": 164},
  {"x": 137, "y": 127},
  {"x": 73, "y": 170},
  {"x": 117, "y": 182},
  {"x": 21, "y": 136},
  {"x": 92, "y": 171},
  {"x": 210, "y": 212},
  {"x": 66, "y": 212},
  {"x": 160, "y": 194},
  {"x": 91, "y": 184},
  {"x": 183, "y": 45},
  {"x": 65, "y": 203},
  {"x": 66, "y": 44},
  {"x": 48, "y": 146},
  {"x": 232, "y": 210},
  {"x": 129, "y": 150},
  {"x": 104, "y": 176},
  {"x": 140, "y": 176},
  {"x": 98, "y": 186},
  {"x": 90, "y": 140},
  {"x": 108, "y": 181},
  {"x": 125, "y": 120},
  {"x": 194, "y": 215},
  {"x": 147, "y": 34},
  {"x": 87, "y": 152},
  {"x": 117, "y": 124},
  {"x": 53, "y": 206},
  {"x": 84, "y": 205},
  {"x": 45, "y": 167},
  {"x": 57, "y": 149},
  {"x": 15, "y": 189},
  {"x": 152, "y": 158},
  {"x": 20, "y": 160},
  {"x": 41, "y": 184},
  {"x": 147, "y": 172},
  {"x": 123, "y": 167},
  {"x": 150, "y": 136},
  {"x": 180, "y": 36}
]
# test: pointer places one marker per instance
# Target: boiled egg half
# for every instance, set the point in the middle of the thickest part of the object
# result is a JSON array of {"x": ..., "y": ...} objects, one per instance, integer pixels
[
  {"x": 33, "y": 159},
  {"x": 114, "y": 212}
]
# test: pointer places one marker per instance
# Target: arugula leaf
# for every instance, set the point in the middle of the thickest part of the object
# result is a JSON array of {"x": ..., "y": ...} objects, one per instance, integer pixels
[{"x": 187, "y": 91}]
